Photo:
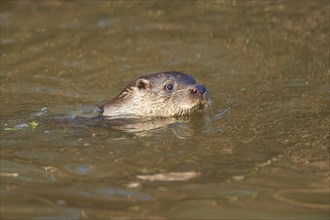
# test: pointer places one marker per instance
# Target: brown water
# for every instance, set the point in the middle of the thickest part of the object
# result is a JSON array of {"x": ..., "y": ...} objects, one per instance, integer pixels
[{"x": 261, "y": 151}]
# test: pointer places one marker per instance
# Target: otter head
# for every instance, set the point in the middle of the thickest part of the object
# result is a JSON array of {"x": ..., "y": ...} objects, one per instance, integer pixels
[{"x": 162, "y": 94}]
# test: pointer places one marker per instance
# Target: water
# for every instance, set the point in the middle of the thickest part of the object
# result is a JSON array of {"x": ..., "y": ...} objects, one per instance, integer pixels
[{"x": 261, "y": 151}]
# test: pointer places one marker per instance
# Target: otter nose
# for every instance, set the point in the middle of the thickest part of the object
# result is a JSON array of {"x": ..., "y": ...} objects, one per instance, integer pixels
[{"x": 199, "y": 89}]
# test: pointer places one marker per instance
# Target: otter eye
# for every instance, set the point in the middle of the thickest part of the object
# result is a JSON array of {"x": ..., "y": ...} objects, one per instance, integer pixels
[{"x": 169, "y": 87}]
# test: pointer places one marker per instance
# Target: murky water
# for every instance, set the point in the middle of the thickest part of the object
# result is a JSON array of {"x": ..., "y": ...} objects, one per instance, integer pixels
[{"x": 261, "y": 151}]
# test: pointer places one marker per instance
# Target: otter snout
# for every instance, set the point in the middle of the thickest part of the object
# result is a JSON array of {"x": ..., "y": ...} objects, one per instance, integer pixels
[{"x": 198, "y": 90}]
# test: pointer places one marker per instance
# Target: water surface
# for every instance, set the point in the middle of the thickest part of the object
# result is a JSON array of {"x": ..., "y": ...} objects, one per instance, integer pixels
[{"x": 261, "y": 151}]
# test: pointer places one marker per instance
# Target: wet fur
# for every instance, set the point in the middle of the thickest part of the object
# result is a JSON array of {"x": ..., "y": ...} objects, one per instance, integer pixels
[{"x": 147, "y": 97}]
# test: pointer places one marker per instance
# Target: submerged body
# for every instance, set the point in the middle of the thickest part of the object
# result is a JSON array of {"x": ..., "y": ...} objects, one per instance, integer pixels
[{"x": 164, "y": 94}]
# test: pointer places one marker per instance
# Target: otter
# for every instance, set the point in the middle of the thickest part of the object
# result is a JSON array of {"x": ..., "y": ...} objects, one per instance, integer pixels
[{"x": 164, "y": 94}]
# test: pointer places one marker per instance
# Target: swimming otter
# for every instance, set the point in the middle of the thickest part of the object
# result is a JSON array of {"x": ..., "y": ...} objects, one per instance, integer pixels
[{"x": 162, "y": 94}]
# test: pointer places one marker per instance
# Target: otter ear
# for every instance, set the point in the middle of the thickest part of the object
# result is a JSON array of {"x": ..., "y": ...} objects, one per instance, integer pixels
[{"x": 142, "y": 84}]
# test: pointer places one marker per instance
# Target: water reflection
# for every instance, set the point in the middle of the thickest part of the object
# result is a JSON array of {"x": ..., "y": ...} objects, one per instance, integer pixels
[{"x": 148, "y": 127}]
